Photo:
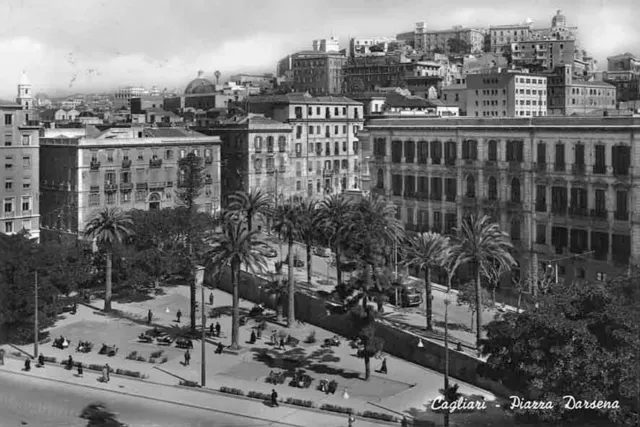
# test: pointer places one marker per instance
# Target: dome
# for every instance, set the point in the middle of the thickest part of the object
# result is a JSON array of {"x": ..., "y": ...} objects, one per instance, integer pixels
[
  {"x": 199, "y": 85},
  {"x": 559, "y": 20}
]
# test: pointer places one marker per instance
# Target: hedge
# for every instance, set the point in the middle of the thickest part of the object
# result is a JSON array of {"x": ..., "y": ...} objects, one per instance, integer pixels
[
  {"x": 379, "y": 416},
  {"x": 50, "y": 359},
  {"x": 259, "y": 395},
  {"x": 187, "y": 383},
  {"x": 336, "y": 408},
  {"x": 230, "y": 390},
  {"x": 300, "y": 402}
]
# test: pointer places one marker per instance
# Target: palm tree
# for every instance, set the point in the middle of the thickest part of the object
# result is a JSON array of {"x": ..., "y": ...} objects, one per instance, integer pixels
[
  {"x": 334, "y": 219},
  {"x": 308, "y": 211},
  {"x": 217, "y": 74},
  {"x": 288, "y": 224},
  {"x": 109, "y": 227},
  {"x": 482, "y": 245},
  {"x": 427, "y": 251},
  {"x": 235, "y": 246},
  {"x": 254, "y": 203}
]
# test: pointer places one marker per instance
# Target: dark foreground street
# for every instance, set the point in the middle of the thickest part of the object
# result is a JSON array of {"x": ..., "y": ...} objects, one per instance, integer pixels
[{"x": 37, "y": 403}]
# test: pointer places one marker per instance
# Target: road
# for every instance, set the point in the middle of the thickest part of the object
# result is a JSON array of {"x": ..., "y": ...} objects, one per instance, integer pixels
[{"x": 43, "y": 403}]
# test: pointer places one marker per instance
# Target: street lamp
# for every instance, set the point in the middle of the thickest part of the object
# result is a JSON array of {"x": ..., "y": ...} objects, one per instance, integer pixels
[
  {"x": 200, "y": 281},
  {"x": 447, "y": 301},
  {"x": 36, "y": 329}
]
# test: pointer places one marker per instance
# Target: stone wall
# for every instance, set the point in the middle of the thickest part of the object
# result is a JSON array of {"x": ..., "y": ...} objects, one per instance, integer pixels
[{"x": 398, "y": 343}]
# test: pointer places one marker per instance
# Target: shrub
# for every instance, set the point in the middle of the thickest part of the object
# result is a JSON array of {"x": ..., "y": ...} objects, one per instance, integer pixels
[
  {"x": 152, "y": 360},
  {"x": 336, "y": 408},
  {"x": 300, "y": 402},
  {"x": 165, "y": 359},
  {"x": 134, "y": 374},
  {"x": 50, "y": 359},
  {"x": 259, "y": 395},
  {"x": 141, "y": 359},
  {"x": 95, "y": 367},
  {"x": 230, "y": 390},
  {"x": 156, "y": 354},
  {"x": 379, "y": 416},
  {"x": 311, "y": 338},
  {"x": 187, "y": 383},
  {"x": 132, "y": 356}
]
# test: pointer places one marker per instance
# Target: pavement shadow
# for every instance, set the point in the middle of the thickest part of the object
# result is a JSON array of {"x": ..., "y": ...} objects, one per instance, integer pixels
[
  {"x": 452, "y": 326},
  {"x": 226, "y": 310}
]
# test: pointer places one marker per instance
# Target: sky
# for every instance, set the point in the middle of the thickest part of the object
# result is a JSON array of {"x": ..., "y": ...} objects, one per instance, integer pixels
[{"x": 83, "y": 46}]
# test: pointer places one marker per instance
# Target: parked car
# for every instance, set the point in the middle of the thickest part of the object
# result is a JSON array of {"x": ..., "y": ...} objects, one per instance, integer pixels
[{"x": 404, "y": 294}]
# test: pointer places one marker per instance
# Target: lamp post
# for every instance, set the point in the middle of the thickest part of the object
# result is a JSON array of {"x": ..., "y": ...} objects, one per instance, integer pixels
[
  {"x": 36, "y": 329},
  {"x": 199, "y": 281},
  {"x": 447, "y": 301}
]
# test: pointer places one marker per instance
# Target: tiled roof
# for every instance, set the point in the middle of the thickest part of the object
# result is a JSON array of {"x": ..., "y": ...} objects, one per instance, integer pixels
[
  {"x": 397, "y": 100},
  {"x": 170, "y": 133}
]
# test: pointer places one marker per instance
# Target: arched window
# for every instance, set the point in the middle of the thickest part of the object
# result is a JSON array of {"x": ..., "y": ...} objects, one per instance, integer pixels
[
  {"x": 154, "y": 202},
  {"x": 515, "y": 190},
  {"x": 282, "y": 144},
  {"x": 336, "y": 148},
  {"x": 493, "y": 151},
  {"x": 327, "y": 149},
  {"x": 257, "y": 142},
  {"x": 270, "y": 144},
  {"x": 515, "y": 229},
  {"x": 471, "y": 186},
  {"x": 380, "y": 183},
  {"x": 493, "y": 188}
]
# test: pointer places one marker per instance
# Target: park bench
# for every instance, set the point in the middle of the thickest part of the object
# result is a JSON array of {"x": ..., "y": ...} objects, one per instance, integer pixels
[
  {"x": 184, "y": 343},
  {"x": 275, "y": 378},
  {"x": 109, "y": 350},
  {"x": 145, "y": 338},
  {"x": 166, "y": 340},
  {"x": 84, "y": 346}
]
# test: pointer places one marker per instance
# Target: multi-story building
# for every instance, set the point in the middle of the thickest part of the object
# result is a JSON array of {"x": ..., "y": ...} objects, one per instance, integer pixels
[
  {"x": 430, "y": 41},
  {"x": 257, "y": 153},
  {"x": 569, "y": 95},
  {"x": 142, "y": 103},
  {"x": 623, "y": 71},
  {"x": 505, "y": 93},
  {"x": 543, "y": 54},
  {"x": 369, "y": 46},
  {"x": 456, "y": 94},
  {"x": 565, "y": 189},
  {"x": 122, "y": 97},
  {"x": 130, "y": 168},
  {"x": 624, "y": 62},
  {"x": 319, "y": 73},
  {"x": 324, "y": 144},
  {"x": 331, "y": 44},
  {"x": 503, "y": 36},
  {"x": 19, "y": 172}
]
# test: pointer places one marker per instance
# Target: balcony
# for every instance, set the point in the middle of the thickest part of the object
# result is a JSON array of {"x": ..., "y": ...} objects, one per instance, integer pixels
[
  {"x": 558, "y": 209},
  {"x": 409, "y": 159},
  {"x": 436, "y": 197},
  {"x": 621, "y": 216},
  {"x": 621, "y": 173},
  {"x": 157, "y": 185},
  {"x": 10, "y": 214},
  {"x": 94, "y": 165},
  {"x": 281, "y": 169},
  {"x": 208, "y": 180},
  {"x": 599, "y": 213},
  {"x": 170, "y": 184},
  {"x": 450, "y": 198},
  {"x": 155, "y": 163},
  {"x": 541, "y": 206},
  {"x": 94, "y": 189},
  {"x": 540, "y": 167},
  {"x": 578, "y": 211},
  {"x": 208, "y": 160},
  {"x": 559, "y": 167},
  {"x": 327, "y": 152},
  {"x": 515, "y": 165},
  {"x": 126, "y": 164},
  {"x": 327, "y": 172},
  {"x": 410, "y": 195},
  {"x": 599, "y": 169},
  {"x": 469, "y": 200},
  {"x": 450, "y": 161},
  {"x": 491, "y": 202},
  {"x": 271, "y": 171},
  {"x": 142, "y": 186},
  {"x": 110, "y": 188},
  {"x": 126, "y": 186},
  {"x": 578, "y": 168},
  {"x": 514, "y": 206},
  {"x": 298, "y": 153},
  {"x": 491, "y": 164},
  {"x": 27, "y": 212}
]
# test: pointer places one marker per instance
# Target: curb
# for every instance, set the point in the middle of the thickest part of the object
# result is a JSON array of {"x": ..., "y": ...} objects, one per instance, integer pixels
[{"x": 155, "y": 398}]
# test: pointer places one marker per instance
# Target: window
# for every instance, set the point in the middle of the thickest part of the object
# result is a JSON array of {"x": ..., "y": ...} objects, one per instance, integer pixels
[
  {"x": 111, "y": 198},
  {"x": 94, "y": 199},
  {"x": 298, "y": 132},
  {"x": 542, "y": 153},
  {"x": 282, "y": 143},
  {"x": 8, "y": 119},
  {"x": 601, "y": 277},
  {"x": 141, "y": 196},
  {"x": 26, "y": 204},
  {"x": 26, "y": 139},
  {"x": 8, "y": 226},
  {"x": 515, "y": 190},
  {"x": 110, "y": 156},
  {"x": 310, "y": 130},
  {"x": 270, "y": 144},
  {"x": 8, "y": 184},
  {"x": 257, "y": 143},
  {"x": 8, "y": 162},
  {"x": 541, "y": 234},
  {"x": 8, "y": 204},
  {"x": 140, "y": 155},
  {"x": 599, "y": 167},
  {"x": 493, "y": 188},
  {"x": 26, "y": 162},
  {"x": 493, "y": 151},
  {"x": 168, "y": 154},
  {"x": 125, "y": 197}
]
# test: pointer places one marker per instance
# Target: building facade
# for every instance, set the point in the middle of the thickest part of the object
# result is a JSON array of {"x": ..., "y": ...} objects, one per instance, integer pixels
[
  {"x": 369, "y": 46},
  {"x": 543, "y": 54},
  {"x": 325, "y": 145},
  {"x": 565, "y": 189},
  {"x": 129, "y": 168},
  {"x": 624, "y": 62},
  {"x": 506, "y": 94},
  {"x": 19, "y": 174},
  {"x": 568, "y": 95},
  {"x": 430, "y": 41},
  {"x": 319, "y": 73}
]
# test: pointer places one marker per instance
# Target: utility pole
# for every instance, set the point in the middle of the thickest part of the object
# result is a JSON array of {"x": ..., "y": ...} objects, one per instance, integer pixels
[
  {"x": 446, "y": 356},
  {"x": 36, "y": 329},
  {"x": 204, "y": 336}
]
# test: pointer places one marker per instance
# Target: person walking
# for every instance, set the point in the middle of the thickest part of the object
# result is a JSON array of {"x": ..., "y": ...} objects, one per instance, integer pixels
[
  {"x": 281, "y": 346},
  {"x": 383, "y": 367},
  {"x": 149, "y": 317},
  {"x": 179, "y": 315},
  {"x": 352, "y": 419},
  {"x": 218, "y": 328},
  {"x": 211, "y": 298},
  {"x": 41, "y": 360},
  {"x": 105, "y": 373},
  {"x": 27, "y": 364},
  {"x": 211, "y": 330},
  {"x": 1, "y": 356},
  {"x": 274, "y": 398},
  {"x": 70, "y": 363},
  {"x": 79, "y": 369},
  {"x": 187, "y": 358}
]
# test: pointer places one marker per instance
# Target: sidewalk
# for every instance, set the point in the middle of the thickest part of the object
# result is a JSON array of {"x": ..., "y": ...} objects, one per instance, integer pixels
[{"x": 213, "y": 401}]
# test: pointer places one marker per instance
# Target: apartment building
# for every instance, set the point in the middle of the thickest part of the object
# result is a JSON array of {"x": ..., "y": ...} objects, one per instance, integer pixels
[
  {"x": 565, "y": 189},
  {"x": 19, "y": 173},
  {"x": 505, "y": 93},
  {"x": 129, "y": 168},
  {"x": 324, "y": 144},
  {"x": 318, "y": 72},
  {"x": 438, "y": 40},
  {"x": 569, "y": 95},
  {"x": 623, "y": 71},
  {"x": 257, "y": 153},
  {"x": 543, "y": 54},
  {"x": 503, "y": 36}
]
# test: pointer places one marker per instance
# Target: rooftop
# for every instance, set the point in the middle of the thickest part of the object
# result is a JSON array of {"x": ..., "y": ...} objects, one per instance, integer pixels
[
  {"x": 473, "y": 122},
  {"x": 302, "y": 98}
]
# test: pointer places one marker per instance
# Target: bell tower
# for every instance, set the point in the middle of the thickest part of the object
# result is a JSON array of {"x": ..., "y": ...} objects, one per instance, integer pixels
[{"x": 25, "y": 94}]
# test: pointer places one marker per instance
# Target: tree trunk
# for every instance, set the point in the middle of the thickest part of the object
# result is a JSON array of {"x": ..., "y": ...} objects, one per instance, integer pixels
[
  {"x": 449, "y": 277},
  {"x": 107, "y": 282},
  {"x": 309, "y": 263},
  {"x": 291, "y": 314},
  {"x": 519, "y": 302},
  {"x": 192, "y": 291},
  {"x": 249, "y": 221},
  {"x": 478, "y": 308},
  {"x": 429, "y": 302},
  {"x": 235, "y": 311},
  {"x": 367, "y": 364},
  {"x": 338, "y": 270},
  {"x": 493, "y": 296}
]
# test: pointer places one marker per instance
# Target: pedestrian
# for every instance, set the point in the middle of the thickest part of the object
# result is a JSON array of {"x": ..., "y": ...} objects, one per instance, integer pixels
[
  {"x": 219, "y": 348},
  {"x": 1, "y": 356},
  {"x": 274, "y": 337},
  {"x": 218, "y": 328},
  {"x": 252, "y": 340},
  {"x": 187, "y": 358},
  {"x": 27, "y": 364},
  {"x": 211, "y": 329},
  {"x": 149, "y": 317},
  {"x": 383, "y": 367},
  {"x": 211, "y": 298},
  {"x": 352, "y": 419},
  {"x": 281, "y": 346},
  {"x": 105, "y": 373},
  {"x": 41, "y": 360},
  {"x": 70, "y": 363},
  {"x": 79, "y": 369},
  {"x": 179, "y": 315},
  {"x": 274, "y": 398}
]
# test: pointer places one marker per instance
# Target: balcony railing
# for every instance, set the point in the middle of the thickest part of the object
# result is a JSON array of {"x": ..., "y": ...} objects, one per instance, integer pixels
[
  {"x": 540, "y": 167},
  {"x": 281, "y": 169},
  {"x": 435, "y": 197},
  {"x": 541, "y": 206},
  {"x": 396, "y": 192},
  {"x": 126, "y": 164},
  {"x": 620, "y": 172},
  {"x": 409, "y": 159},
  {"x": 94, "y": 165},
  {"x": 156, "y": 185},
  {"x": 109, "y": 188},
  {"x": 450, "y": 161},
  {"x": 599, "y": 169},
  {"x": 94, "y": 188},
  {"x": 450, "y": 197},
  {"x": 469, "y": 200},
  {"x": 298, "y": 153},
  {"x": 514, "y": 205},
  {"x": 599, "y": 213},
  {"x": 558, "y": 209},
  {"x": 578, "y": 168},
  {"x": 126, "y": 186},
  {"x": 578, "y": 211},
  {"x": 515, "y": 165},
  {"x": 142, "y": 186},
  {"x": 155, "y": 163},
  {"x": 10, "y": 214},
  {"x": 621, "y": 216},
  {"x": 169, "y": 183},
  {"x": 491, "y": 164}
]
